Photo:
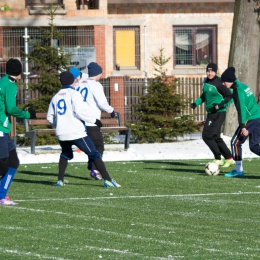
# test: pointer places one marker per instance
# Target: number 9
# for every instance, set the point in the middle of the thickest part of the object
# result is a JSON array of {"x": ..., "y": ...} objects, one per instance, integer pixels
[{"x": 62, "y": 107}]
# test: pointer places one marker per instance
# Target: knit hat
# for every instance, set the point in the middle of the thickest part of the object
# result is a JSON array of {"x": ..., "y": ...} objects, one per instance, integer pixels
[
  {"x": 229, "y": 75},
  {"x": 75, "y": 72},
  {"x": 66, "y": 78},
  {"x": 94, "y": 69},
  {"x": 212, "y": 66},
  {"x": 13, "y": 67}
]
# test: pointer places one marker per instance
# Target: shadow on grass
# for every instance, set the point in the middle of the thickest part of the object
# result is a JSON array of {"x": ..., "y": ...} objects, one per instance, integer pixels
[{"x": 51, "y": 183}]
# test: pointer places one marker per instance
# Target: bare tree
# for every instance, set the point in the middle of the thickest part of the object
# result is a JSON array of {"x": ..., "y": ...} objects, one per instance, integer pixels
[{"x": 244, "y": 52}]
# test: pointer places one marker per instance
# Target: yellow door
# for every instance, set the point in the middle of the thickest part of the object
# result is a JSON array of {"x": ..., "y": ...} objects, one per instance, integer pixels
[{"x": 125, "y": 48}]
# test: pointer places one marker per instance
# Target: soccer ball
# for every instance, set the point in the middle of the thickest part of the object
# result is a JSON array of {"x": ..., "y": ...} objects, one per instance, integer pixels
[{"x": 212, "y": 169}]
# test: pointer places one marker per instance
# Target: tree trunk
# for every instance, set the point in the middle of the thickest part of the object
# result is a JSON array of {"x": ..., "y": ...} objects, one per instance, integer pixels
[{"x": 244, "y": 53}]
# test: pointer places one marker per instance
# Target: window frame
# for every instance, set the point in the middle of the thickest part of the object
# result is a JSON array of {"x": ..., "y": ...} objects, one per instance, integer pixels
[
  {"x": 194, "y": 29},
  {"x": 136, "y": 29},
  {"x": 41, "y": 3}
]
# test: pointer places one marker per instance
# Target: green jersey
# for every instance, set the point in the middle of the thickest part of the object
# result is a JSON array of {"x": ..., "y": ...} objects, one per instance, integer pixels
[
  {"x": 8, "y": 92},
  {"x": 245, "y": 103},
  {"x": 214, "y": 92}
]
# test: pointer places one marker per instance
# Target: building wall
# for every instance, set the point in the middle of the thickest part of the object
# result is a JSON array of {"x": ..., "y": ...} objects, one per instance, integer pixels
[{"x": 157, "y": 20}]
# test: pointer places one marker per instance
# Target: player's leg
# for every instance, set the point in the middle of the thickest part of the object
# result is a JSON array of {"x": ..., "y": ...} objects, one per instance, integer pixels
[
  {"x": 87, "y": 146},
  {"x": 236, "y": 148},
  {"x": 96, "y": 136},
  {"x": 253, "y": 127},
  {"x": 226, "y": 153},
  {"x": 208, "y": 135},
  {"x": 9, "y": 163},
  {"x": 66, "y": 154}
]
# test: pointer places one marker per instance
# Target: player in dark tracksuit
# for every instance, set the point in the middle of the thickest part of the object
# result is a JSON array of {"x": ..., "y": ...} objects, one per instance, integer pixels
[
  {"x": 248, "y": 120},
  {"x": 215, "y": 93}
]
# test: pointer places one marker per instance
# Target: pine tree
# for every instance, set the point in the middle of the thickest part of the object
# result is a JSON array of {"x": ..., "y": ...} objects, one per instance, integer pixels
[
  {"x": 160, "y": 111},
  {"x": 46, "y": 62}
]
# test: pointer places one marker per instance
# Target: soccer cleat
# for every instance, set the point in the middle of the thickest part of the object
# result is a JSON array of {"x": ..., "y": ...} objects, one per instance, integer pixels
[
  {"x": 60, "y": 183},
  {"x": 234, "y": 174},
  {"x": 111, "y": 184},
  {"x": 115, "y": 184},
  {"x": 8, "y": 202},
  {"x": 219, "y": 162},
  {"x": 228, "y": 163},
  {"x": 95, "y": 174}
]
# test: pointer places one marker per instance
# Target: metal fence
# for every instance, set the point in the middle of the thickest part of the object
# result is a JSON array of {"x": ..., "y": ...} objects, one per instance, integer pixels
[{"x": 190, "y": 88}]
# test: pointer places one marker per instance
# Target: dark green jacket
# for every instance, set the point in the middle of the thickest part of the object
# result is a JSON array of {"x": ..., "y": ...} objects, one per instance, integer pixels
[
  {"x": 214, "y": 92},
  {"x": 8, "y": 92},
  {"x": 245, "y": 103}
]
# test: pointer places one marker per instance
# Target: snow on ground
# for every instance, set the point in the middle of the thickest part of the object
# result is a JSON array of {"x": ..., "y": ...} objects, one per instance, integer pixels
[{"x": 193, "y": 149}]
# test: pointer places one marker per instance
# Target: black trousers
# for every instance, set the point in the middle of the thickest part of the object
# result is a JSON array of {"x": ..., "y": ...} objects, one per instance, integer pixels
[
  {"x": 211, "y": 135},
  {"x": 96, "y": 136},
  {"x": 253, "y": 127}
]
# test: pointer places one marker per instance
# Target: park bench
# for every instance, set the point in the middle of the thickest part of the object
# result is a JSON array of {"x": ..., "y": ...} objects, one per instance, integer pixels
[{"x": 110, "y": 125}]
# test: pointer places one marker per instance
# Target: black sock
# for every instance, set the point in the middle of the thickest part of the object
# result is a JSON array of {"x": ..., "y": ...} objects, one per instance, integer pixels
[
  {"x": 62, "y": 168},
  {"x": 102, "y": 169}
]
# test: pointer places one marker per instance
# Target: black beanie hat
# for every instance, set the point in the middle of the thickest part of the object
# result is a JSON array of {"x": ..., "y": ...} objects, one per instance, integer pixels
[
  {"x": 66, "y": 78},
  {"x": 229, "y": 75},
  {"x": 94, "y": 69},
  {"x": 212, "y": 66},
  {"x": 13, "y": 67}
]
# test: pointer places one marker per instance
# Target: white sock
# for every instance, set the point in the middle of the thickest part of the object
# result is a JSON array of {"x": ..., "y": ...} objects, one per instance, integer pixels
[{"x": 239, "y": 166}]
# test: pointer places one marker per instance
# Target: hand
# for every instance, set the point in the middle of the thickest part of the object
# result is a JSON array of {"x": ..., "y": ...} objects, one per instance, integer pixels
[
  {"x": 113, "y": 114},
  {"x": 218, "y": 106},
  {"x": 98, "y": 123},
  {"x": 244, "y": 132},
  {"x": 193, "y": 105},
  {"x": 32, "y": 114}
]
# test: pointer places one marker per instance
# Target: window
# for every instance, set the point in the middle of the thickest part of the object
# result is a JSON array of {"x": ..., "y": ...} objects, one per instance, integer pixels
[
  {"x": 126, "y": 48},
  {"x": 41, "y": 3},
  {"x": 194, "y": 45}
]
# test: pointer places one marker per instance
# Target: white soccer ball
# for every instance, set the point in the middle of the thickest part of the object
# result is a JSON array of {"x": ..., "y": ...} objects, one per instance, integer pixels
[{"x": 212, "y": 169}]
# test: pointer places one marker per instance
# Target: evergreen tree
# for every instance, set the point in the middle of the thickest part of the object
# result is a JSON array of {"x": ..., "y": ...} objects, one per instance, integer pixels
[
  {"x": 46, "y": 62},
  {"x": 160, "y": 111}
]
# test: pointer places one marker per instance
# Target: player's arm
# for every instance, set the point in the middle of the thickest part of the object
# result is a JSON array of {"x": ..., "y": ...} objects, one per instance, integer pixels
[
  {"x": 241, "y": 108},
  {"x": 51, "y": 114},
  {"x": 100, "y": 98},
  {"x": 11, "y": 108}
]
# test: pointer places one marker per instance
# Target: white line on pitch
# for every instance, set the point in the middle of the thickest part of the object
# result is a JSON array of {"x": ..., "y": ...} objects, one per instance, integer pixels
[{"x": 147, "y": 196}]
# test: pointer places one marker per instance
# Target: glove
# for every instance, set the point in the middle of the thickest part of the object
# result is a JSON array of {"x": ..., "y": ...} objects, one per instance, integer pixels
[
  {"x": 218, "y": 106},
  {"x": 32, "y": 114},
  {"x": 193, "y": 105},
  {"x": 113, "y": 114},
  {"x": 98, "y": 123}
]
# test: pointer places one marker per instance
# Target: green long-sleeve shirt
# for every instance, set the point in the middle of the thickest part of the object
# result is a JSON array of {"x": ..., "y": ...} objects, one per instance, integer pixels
[
  {"x": 245, "y": 103},
  {"x": 213, "y": 92},
  {"x": 8, "y": 92}
]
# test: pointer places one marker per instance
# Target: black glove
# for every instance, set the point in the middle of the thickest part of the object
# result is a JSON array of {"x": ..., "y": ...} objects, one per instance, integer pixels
[
  {"x": 113, "y": 114},
  {"x": 32, "y": 114},
  {"x": 98, "y": 123},
  {"x": 193, "y": 105},
  {"x": 218, "y": 106}
]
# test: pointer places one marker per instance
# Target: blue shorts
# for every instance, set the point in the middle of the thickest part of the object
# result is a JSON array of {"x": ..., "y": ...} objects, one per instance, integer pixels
[
  {"x": 85, "y": 144},
  {"x": 6, "y": 145}
]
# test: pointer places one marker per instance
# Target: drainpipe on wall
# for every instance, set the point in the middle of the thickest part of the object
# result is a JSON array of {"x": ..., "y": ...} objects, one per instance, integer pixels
[
  {"x": 145, "y": 59},
  {"x": 26, "y": 73}
]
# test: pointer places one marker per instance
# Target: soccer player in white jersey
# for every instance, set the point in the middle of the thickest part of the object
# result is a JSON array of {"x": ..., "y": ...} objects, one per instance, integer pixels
[
  {"x": 93, "y": 93},
  {"x": 68, "y": 113}
]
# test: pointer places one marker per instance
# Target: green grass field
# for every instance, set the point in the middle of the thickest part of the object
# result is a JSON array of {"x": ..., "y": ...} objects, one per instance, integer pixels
[{"x": 164, "y": 210}]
